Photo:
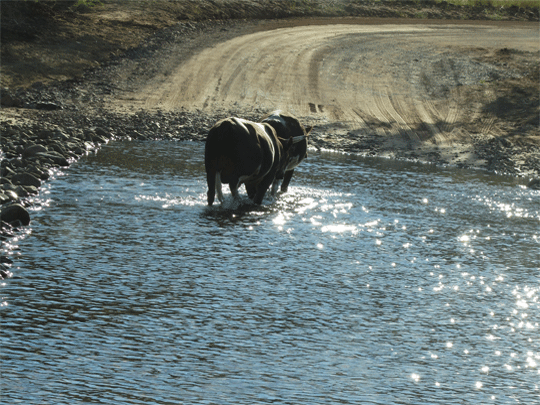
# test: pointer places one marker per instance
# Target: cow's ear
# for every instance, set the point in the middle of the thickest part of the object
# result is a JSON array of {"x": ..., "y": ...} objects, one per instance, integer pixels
[{"x": 308, "y": 130}]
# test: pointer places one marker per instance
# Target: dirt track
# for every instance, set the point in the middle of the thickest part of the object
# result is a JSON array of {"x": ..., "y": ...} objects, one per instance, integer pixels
[{"x": 424, "y": 88}]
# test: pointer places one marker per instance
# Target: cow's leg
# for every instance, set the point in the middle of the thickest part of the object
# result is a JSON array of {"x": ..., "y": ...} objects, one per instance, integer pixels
[
  {"x": 275, "y": 186},
  {"x": 218, "y": 187},
  {"x": 286, "y": 180},
  {"x": 259, "y": 195},
  {"x": 262, "y": 187},
  {"x": 211, "y": 193},
  {"x": 251, "y": 190},
  {"x": 233, "y": 186}
]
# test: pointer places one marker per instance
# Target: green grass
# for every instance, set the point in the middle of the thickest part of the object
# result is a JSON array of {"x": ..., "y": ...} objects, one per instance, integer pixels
[
  {"x": 70, "y": 3},
  {"x": 87, "y": 3}
]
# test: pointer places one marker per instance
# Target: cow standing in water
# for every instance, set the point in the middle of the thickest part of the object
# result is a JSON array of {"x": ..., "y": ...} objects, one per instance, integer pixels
[
  {"x": 287, "y": 126},
  {"x": 239, "y": 151}
]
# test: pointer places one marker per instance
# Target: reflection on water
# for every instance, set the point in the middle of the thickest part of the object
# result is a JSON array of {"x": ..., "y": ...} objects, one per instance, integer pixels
[{"x": 371, "y": 281}]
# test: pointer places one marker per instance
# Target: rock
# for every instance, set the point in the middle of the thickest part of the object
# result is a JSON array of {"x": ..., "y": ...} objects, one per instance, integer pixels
[
  {"x": 11, "y": 195},
  {"x": 31, "y": 189},
  {"x": 505, "y": 143},
  {"x": 8, "y": 186},
  {"x": 44, "y": 175},
  {"x": 5, "y": 273},
  {"x": 79, "y": 151},
  {"x": 5, "y": 259},
  {"x": 101, "y": 132},
  {"x": 60, "y": 136},
  {"x": 21, "y": 192},
  {"x": 89, "y": 134},
  {"x": 17, "y": 163},
  {"x": 25, "y": 179},
  {"x": 534, "y": 184},
  {"x": 57, "y": 147},
  {"x": 9, "y": 100},
  {"x": 46, "y": 105},
  {"x": 15, "y": 215},
  {"x": 6, "y": 171},
  {"x": 99, "y": 139},
  {"x": 53, "y": 157},
  {"x": 34, "y": 150},
  {"x": 4, "y": 198},
  {"x": 45, "y": 134},
  {"x": 37, "y": 172}
]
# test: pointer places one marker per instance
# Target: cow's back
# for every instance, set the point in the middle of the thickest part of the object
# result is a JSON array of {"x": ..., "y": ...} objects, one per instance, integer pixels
[
  {"x": 288, "y": 126},
  {"x": 285, "y": 124},
  {"x": 231, "y": 150},
  {"x": 241, "y": 149}
]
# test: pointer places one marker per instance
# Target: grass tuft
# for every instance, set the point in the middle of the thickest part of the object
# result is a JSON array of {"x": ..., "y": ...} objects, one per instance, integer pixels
[{"x": 495, "y": 3}]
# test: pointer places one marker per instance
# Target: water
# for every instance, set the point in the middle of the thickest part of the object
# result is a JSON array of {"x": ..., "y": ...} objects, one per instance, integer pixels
[{"x": 370, "y": 282}]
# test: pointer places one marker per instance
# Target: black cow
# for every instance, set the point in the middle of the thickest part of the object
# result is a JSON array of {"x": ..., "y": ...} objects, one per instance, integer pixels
[
  {"x": 287, "y": 126},
  {"x": 239, "y": 151}
]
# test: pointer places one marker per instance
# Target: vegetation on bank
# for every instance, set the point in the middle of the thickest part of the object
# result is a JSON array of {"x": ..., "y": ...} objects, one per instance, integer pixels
[
  {"x": 47, "y": 40},
  {"x": 210, "y": 9},
  {"x": 495, "y": 3}
]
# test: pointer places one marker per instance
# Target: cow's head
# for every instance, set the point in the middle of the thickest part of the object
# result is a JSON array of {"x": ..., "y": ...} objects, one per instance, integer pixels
[{"x": 287, "y": 148}]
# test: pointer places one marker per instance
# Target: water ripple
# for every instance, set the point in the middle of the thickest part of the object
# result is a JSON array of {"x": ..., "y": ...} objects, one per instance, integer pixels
[{"x": 370, "y": 281}]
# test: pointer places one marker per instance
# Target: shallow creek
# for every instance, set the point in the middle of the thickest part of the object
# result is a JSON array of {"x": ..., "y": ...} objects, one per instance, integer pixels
[{"x": 371, "y": 281}]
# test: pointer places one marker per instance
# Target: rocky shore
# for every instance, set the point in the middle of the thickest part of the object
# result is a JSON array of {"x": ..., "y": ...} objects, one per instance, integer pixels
[{"x": 52, "y": 137}]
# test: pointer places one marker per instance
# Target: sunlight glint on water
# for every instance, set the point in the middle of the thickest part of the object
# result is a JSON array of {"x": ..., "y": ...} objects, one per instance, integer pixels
[{"x": 370, "y": 281}]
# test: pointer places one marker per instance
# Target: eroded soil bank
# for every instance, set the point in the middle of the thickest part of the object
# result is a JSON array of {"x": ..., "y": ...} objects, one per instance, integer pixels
[{"x": 72, "y": 80}]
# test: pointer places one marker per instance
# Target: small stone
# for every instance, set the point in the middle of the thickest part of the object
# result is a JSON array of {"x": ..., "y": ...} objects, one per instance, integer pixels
[
  {"x": 47, "y": 106},
  {"x": 25, "y": 179},
  {"x": 31, "y": 189},
  {"x": 4, "y": 198},
  {"x": 534, "y": 184},
  {"x": 15, "y": 215},
  {"x": 6, "y": 171},
  {"x": 59, "y": 135},
  {"x": 10, "y": 100},
  {"x": 101, "y": 132},
  {"x": 21, "y": 192},
  {"x": 53, "y": 157},
  {"x": 11, "y": 194},
  {"x": 33, "y": 150},
  {"x": 99, "y": 139},
  {"x": 45, "y": 134},
  {"x": 58, "y": 148}
]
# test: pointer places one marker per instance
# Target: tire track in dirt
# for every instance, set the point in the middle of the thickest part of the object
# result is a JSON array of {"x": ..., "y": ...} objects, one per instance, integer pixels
[
  {"x": 379, "y": 78},
  {"x": 296, "y": 54},
  {"x": 453, "y": 114},
  {"x": 487, "y": 124}
]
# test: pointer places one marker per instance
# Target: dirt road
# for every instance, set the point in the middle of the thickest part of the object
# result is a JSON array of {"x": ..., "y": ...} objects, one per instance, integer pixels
[
  {"x": 464, "y": 93},
  {"x": 426, "y": 88}
]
